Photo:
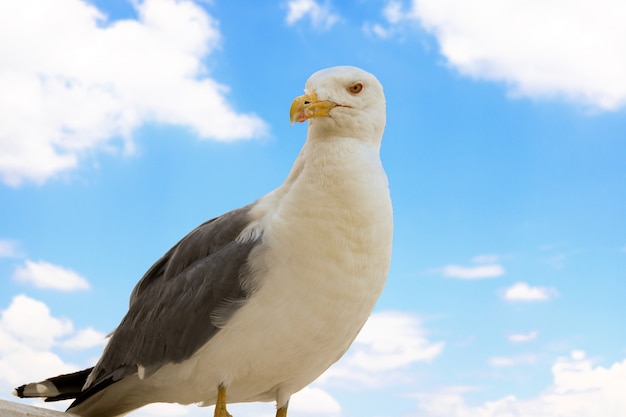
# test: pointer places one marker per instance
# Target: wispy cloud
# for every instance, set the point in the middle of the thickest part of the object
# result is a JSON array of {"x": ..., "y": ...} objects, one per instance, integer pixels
[
  {"x": 394, "y": 14},
  {"x": 503, "y": 361},
  {"x": 521, "y": 291},
  {"x": 321, "y": 15},
  {"x": 516, "y": 43},
  {"x": 557, "y": 261},
  {"x": 487, "y": 258},
  {"x": 10, "y": 249},
  {"x": 472, "y": 272},
  {"x": 485, "y": 266},
  {"x": 74, "y": 82},
  {"x": 46, "y": 275},
  {"x": 522, "y": 337}
]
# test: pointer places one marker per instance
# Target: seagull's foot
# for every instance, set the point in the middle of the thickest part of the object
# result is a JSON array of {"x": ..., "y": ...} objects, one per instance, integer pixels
[
  {"x": 222, "y": 412},
  {"x": 282, "y": 412},
  {"x": 220, "y": 404}
]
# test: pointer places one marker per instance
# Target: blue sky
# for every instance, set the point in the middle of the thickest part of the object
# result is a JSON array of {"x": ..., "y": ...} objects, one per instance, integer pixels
[{"x": 123, "y": 125}]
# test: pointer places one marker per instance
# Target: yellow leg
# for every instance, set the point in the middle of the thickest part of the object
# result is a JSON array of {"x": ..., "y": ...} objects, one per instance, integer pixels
[
  {"x": 282, "y": 412},
  {"x": 220, "y": 404}
]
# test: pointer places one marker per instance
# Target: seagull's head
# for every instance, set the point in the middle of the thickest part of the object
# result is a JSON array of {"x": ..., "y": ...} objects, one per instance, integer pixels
[{"x": 342, "y": 101}]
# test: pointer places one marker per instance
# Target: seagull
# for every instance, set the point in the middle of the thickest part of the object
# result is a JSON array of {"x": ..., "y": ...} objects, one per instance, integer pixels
[{"x": 254, "y": 305}]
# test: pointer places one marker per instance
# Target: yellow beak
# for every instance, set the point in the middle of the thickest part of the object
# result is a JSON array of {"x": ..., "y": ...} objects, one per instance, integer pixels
[{"x": 307, "y": 107}]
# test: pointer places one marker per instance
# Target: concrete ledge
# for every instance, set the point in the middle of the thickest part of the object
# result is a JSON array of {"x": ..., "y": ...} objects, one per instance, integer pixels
[{"x": 10, "y": 409}]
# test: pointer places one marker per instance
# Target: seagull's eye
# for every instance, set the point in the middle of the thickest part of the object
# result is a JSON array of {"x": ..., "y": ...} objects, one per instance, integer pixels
[{"x": 355, "y": 88}]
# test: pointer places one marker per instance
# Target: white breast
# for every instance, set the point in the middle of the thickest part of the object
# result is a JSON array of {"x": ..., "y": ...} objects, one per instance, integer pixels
[{"x": 323, "y": 264}]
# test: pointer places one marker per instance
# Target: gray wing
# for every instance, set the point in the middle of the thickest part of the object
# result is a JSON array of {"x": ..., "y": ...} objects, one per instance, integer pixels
[{"x": 173, "y": 308}]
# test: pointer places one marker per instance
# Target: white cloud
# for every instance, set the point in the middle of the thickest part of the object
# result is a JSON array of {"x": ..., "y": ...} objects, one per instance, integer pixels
[
  {"x": 523, "y": 337},
  {"x": 563, "y": 48},
  {"x": 28, "y": 322},
  {"x": 27, "y": 334},
  {"x": 393, "y": 12},
  {"x": 73, "y": 82},
  {"x": 46, "y": 275},
  {"x": 314, "y": 401},
  {"x": 395, "y": 16},
  {"x": 320, "y": 14},
  {"x": 578, "y": 389},
  {"x": 9, "y": 249},
  {"x": 390, "y": 340},
  {"x": 521, "y": 291},
  {"x": 486, "y": 259},
  {"x": 84, "y": 339},
  {"x": 502, "y": 361},
  {"x": 472, "y": 272},
  {"x": 388, "y": 344},
  {"x": 377, "y": 29}
]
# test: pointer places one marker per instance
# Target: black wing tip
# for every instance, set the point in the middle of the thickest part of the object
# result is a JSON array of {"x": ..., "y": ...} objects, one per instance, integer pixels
[
  {"x": 61, "y": 397},
  {"x": 89, "y": 392},
  {"x": 19, "y": 391},
  {"x": 57, "y": 388}
]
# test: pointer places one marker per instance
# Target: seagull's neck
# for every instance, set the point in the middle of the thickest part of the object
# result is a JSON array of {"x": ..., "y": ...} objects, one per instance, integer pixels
[
  {"x": 339, "y": 178},
  {"x": 339, "y": 158}
]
